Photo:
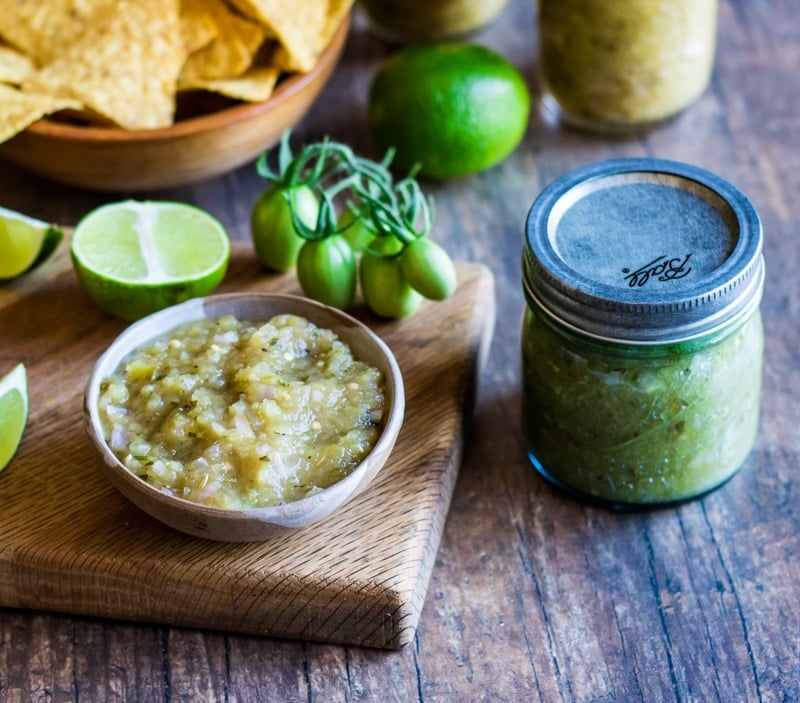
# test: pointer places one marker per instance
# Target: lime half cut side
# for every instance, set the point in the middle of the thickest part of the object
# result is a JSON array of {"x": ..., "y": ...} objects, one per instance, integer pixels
[
  {"x": 136, "y": 257},
  {"x": 13, "y": 412},
  {"x": 25, "y": 242}
]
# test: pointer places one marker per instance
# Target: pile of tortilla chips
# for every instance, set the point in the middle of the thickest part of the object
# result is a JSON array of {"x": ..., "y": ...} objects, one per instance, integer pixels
[{"x": 123, "y": 62}]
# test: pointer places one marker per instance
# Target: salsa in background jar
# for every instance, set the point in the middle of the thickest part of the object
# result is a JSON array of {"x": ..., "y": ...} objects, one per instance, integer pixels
[
  {"x": 624, "y": 65},
  {"x": 641, "y": 341},
  {"x": 427, "y": 20}
]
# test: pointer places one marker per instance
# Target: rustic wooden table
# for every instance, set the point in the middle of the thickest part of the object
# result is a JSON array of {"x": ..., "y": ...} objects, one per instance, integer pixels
[{"x": 534, "y": 596}]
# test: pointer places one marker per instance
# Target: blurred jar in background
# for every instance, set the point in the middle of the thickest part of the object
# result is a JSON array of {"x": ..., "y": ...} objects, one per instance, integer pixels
[
  {"x": 425, "y": 20},
  {"x": 624, "y": 65}
]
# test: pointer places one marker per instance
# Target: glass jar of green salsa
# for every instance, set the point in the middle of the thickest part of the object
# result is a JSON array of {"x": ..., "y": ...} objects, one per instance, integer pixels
[
  {"x": 426, "y": 20},
  {"x": 641, "y": 339},
  {"x": 624, "y": 65}
]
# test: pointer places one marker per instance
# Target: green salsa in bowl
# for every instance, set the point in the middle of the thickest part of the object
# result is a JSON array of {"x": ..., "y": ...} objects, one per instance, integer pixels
[{"x": 237, "y": 417}]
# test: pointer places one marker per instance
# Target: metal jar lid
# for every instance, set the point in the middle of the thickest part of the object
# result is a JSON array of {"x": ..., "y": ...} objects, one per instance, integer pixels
[{"x": 643, "y": 251}]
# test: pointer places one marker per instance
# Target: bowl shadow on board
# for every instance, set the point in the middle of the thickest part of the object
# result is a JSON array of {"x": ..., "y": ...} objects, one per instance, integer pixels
[
  {"x": 213, "y": 136},
  {"x": 256, "y": 524}
]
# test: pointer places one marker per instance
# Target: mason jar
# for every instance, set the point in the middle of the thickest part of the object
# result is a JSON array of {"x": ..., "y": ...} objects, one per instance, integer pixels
[
  {"x": 641, "y": 338},
  {"x": 624, "y": 65},
  {"x": 427, "y": 20}
]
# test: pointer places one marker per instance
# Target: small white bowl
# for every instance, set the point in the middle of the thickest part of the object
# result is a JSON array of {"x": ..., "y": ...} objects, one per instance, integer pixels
[{"x": 254, "y": 524}]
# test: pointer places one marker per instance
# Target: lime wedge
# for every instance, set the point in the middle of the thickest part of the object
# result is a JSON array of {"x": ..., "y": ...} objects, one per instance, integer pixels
[
  {"x": 13, "y": 412},
  {"x": 24, "y": 243},
  {"x": 135, "y": 257}
]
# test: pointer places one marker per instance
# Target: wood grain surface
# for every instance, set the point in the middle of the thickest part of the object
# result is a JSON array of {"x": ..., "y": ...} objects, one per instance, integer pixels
[
  {"x": 533, "y": 596},
  {"x": 72, "y": 543}
]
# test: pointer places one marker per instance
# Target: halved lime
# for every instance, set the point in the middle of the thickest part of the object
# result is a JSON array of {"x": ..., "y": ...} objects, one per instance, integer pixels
[
  {"x": 25, "y": 242},
  {"x": 13, "y": 412},
  {"x": 136, "y": 257}
]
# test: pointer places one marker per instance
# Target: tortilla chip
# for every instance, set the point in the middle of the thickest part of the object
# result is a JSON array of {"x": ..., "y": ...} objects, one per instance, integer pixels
[
  {"x": 122, "y": 62},
  {"x": 198, "y": 28},
  {"x": 230, "y": 53},
  {"x": 337, "y": 11},
  {"x": 43, "y": 29},
  {"x": 15, "y": 67},
  {"x": 289, "y": 62},
  {"x": 255, "y": 85},
  {"x": 23, "y": 109},
  {"x": 301, "y": 27},
  {"x": 124, "y": 66}
]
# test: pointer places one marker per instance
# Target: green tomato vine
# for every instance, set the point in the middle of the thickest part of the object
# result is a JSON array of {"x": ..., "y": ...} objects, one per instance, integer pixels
[{"x": 359, "y": 206}]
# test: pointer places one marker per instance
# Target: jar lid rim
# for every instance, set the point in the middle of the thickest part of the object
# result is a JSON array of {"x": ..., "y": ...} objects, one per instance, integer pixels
[{"x": 635, "y": 313}]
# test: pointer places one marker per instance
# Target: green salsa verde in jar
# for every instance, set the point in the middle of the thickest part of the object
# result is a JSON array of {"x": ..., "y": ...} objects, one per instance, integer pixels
[
  {"x": 624, "y": 65},
  {"x": 427, "y": 20},
  {"x": 641, "y": 341}
]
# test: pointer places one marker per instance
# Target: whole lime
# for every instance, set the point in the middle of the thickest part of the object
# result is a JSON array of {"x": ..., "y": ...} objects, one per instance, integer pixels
[{"x": 454, "y": 108}]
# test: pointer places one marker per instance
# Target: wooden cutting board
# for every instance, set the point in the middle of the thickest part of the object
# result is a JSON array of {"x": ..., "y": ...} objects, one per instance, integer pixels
[{"x": 69, "y": 542}]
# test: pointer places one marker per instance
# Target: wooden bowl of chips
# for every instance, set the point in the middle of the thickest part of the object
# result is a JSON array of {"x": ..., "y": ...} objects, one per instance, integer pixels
[{"x": 211, "y": 135}]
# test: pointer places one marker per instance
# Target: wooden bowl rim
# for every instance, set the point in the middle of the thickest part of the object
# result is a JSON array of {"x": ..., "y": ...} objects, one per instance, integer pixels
[
  {"x": 280, "y": 515},
  {"x": 287, "y": 89}
]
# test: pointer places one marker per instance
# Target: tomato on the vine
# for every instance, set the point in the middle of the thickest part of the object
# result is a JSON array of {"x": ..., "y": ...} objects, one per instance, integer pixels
[
  {"x": 353, "y": 229},
  {"x": 429, "y": 269},
  {"x": 295, "y": 223},
  {"x": 326, "y": 269},
  {"x": 276, "y": 241},
  {"x": 385, "y": 289}
]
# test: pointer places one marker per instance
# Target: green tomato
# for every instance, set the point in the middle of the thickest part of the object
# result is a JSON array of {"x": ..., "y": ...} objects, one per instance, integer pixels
[
  {"x": 429, "y": 269},
  {"x": 275, "y": 239},
  {"x": 385, "y": 289},
  {"x": 326, "y": 269},
  {"x": 357, "y": 234}
]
